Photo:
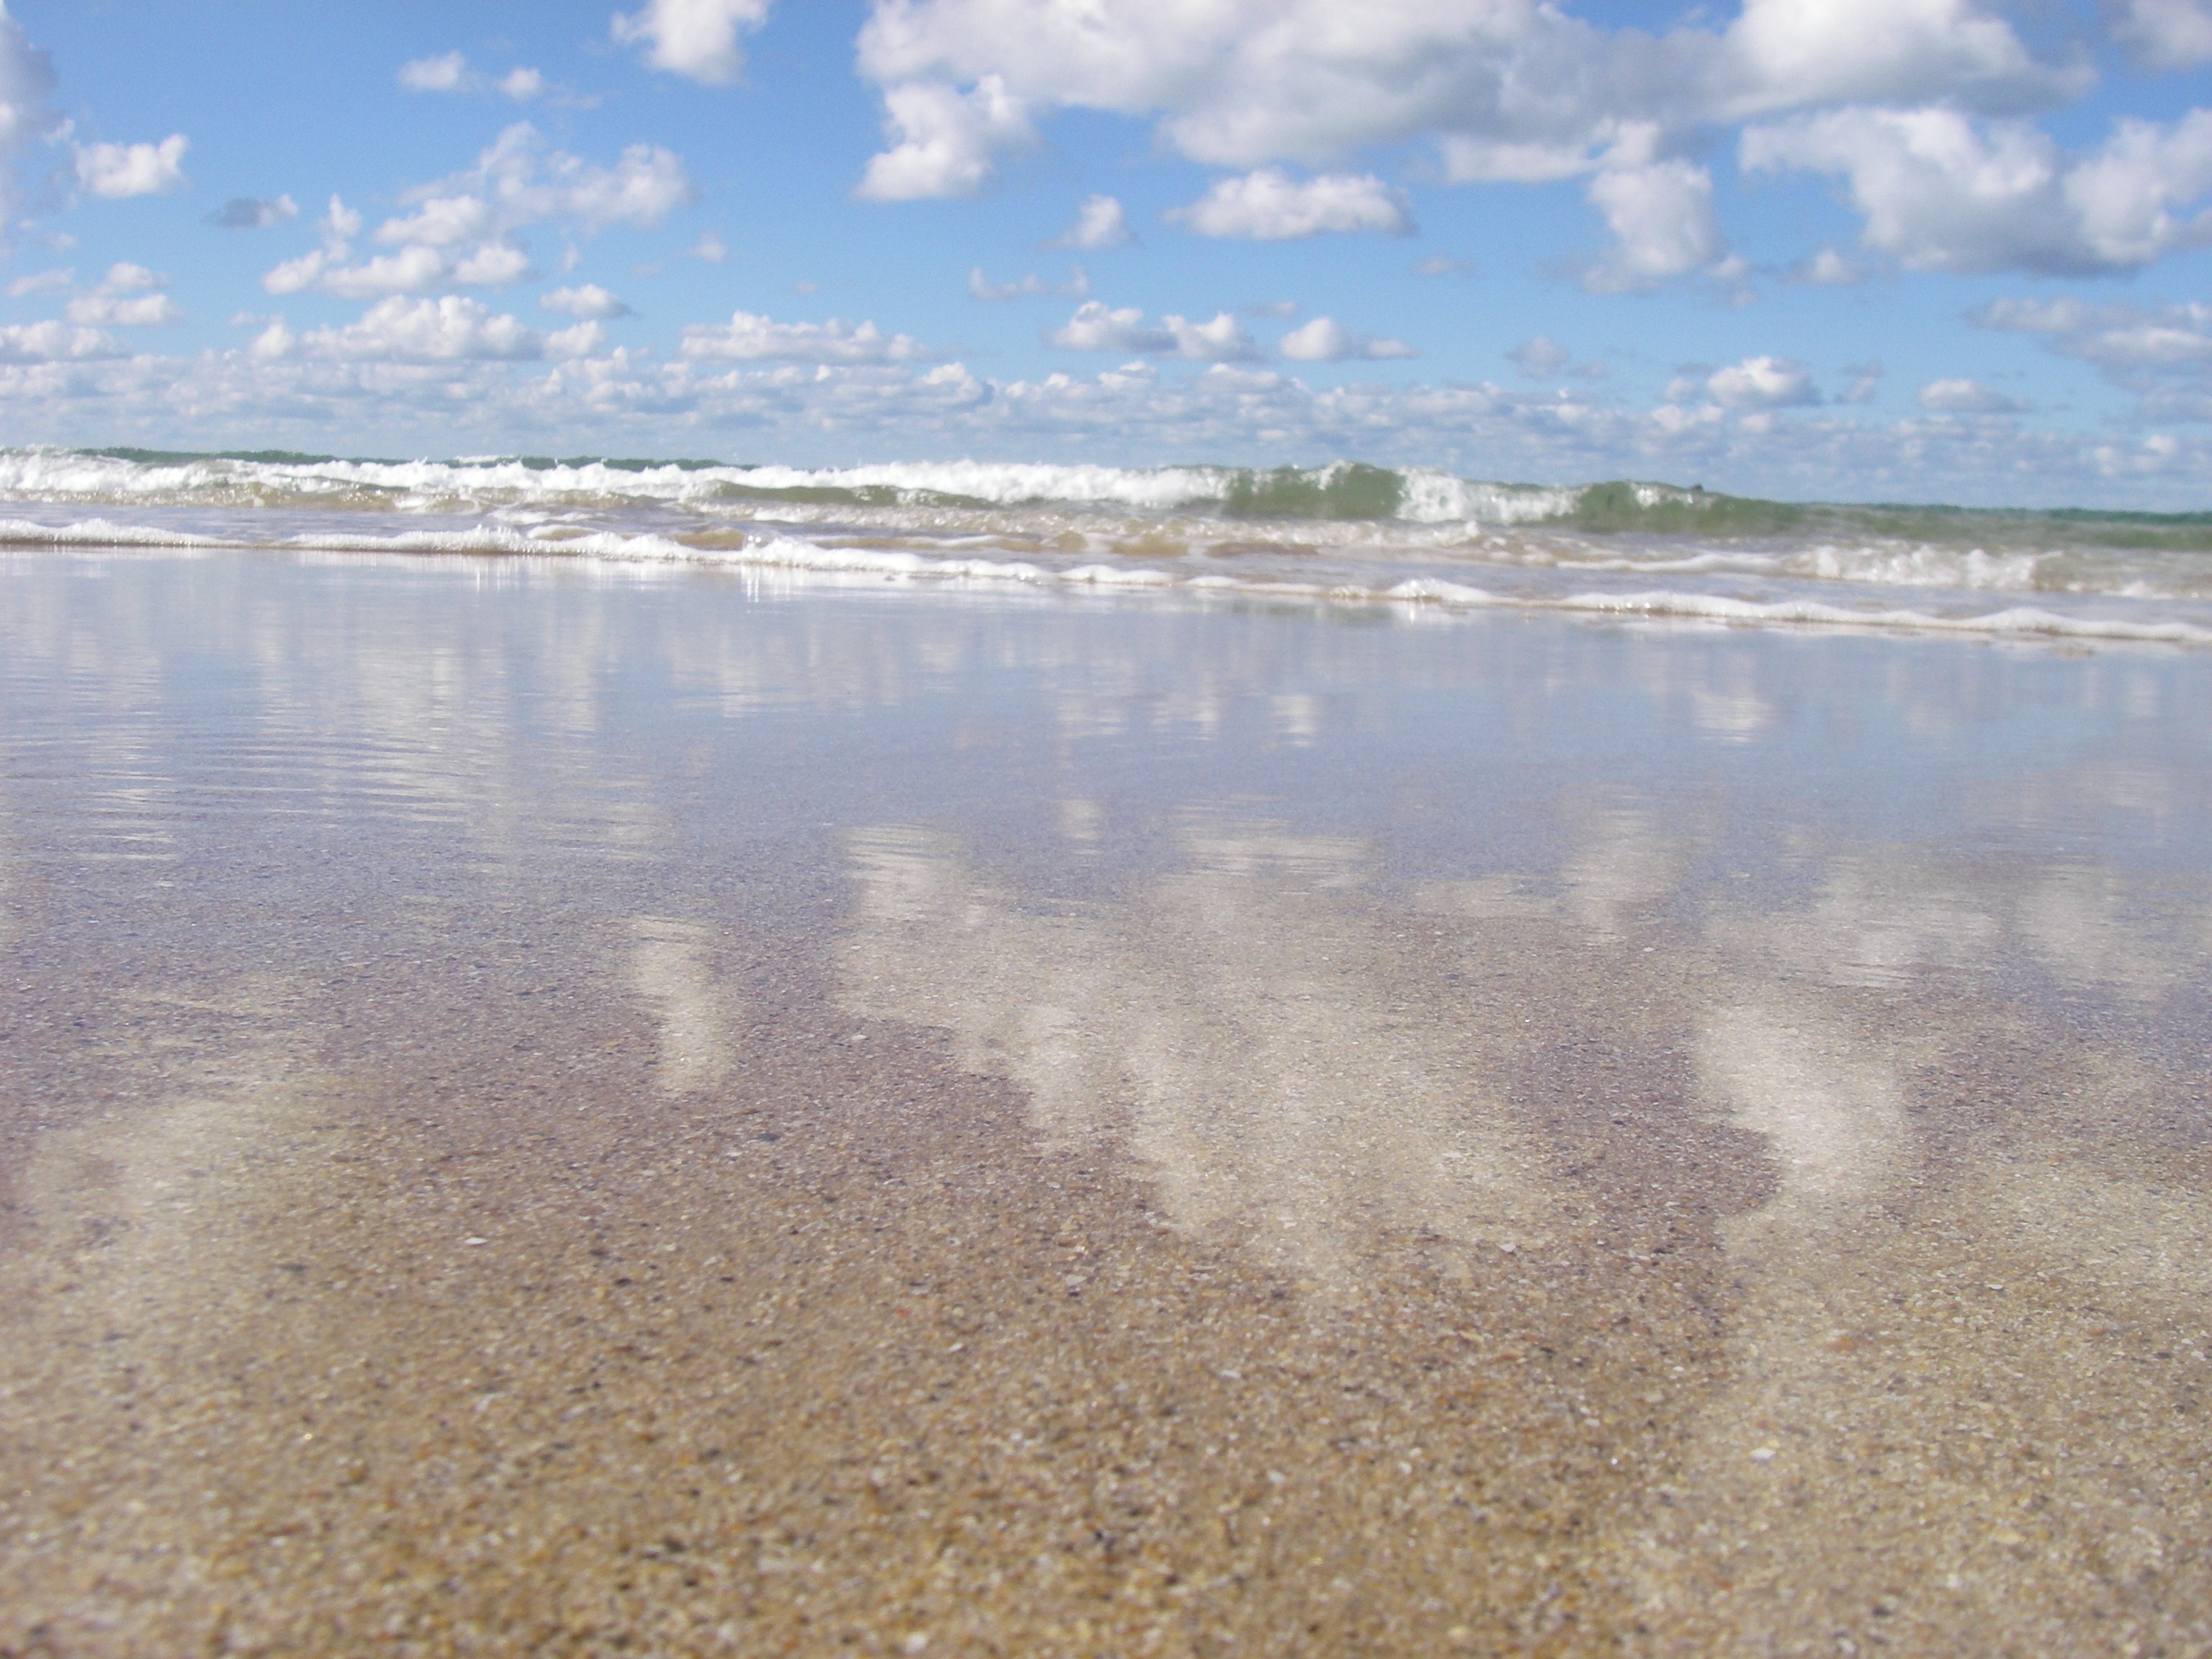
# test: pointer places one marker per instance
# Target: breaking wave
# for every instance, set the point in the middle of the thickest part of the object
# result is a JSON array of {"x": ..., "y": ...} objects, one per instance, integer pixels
[{"x": 1347, "y": 532}]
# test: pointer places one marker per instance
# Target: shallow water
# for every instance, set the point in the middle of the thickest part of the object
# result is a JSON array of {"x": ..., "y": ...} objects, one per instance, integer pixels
[{"x": 558, "y": 1105}]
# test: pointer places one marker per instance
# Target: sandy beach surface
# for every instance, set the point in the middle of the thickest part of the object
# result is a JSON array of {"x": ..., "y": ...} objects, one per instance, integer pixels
[{"x": 554, "y": 1108}]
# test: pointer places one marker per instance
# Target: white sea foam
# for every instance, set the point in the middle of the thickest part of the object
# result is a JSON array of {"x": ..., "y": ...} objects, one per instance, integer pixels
[
  {"x": 2017, "y": 620},
  {"x": 1454, "y": 543},
  {"x": 98, "y": 533}
]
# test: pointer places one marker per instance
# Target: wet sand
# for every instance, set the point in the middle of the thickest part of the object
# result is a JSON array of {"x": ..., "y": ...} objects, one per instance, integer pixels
[{"x": 554, "y": 1113}]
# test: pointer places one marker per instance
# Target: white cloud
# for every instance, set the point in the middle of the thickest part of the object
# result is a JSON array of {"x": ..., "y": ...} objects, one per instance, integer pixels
[
  {"x": 1440, "y": 264},
  {"x": 128, "y": 296},
  {"x": 495, "y": 264},
  {"x": 945, "y": 140},
  {"x": 1100, "y": 224},
  {"x": 146, "y": 311},
  {"x": 587, "y": 301},
  {"x": 1222, "y": 340},
  {"x": 1325, "y": 340},
  {"x": 518, "y": 181},
  {"x": 1244, "y": 82},
  {"x": 251, "y": 213},
  {"x": 410, "y": 271},
  {"x": 1267, "y": 205},
  {"x": 296, "y": 276},
  {"x": 1783, "y": 52},
  {"x": 1941, "y": 193},
  {"x": 44, "y": 282},
  {"x": 116, "y": 171},
  {"x": 51, "y": 343},
  {"x": 1541, "y": 358},
  {"x": 1661, "y": 218},
  {"x": 274, "y": 342},
  {"x": 1506, "y": 90},
  {"x": 1967, "y": 398},
  {"x": 447, "y": 330},
  {"x": 581, "y": 341},
  {"x": 1828, "y": 269},
  {"x": 440, "y": 222},
  {"x": 709, "y": 247},
  {"x": 460, "y": 229},
  {"x": 26, "y": 81},
  {"x": 2161, "y": 353},
  {"x": 749, "y": 340},
  {"x": 2165, "y": 34},
  {"x": 1097, "y": 326},
  {"x": 1762, "y": 383},
  {"x": 449, "y": 73},
  {"x": 526, "y": 182},
  {"x": 696, "y": 39}
]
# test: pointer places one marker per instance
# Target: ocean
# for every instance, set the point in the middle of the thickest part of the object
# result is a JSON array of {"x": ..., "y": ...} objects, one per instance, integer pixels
[
  {"x": 665, "y": 1058},
  {"x": 1348, "y": 533}
]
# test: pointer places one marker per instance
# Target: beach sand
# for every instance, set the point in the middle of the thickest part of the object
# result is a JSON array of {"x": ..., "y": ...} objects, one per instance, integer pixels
[{"x": 556, "y": 1111}]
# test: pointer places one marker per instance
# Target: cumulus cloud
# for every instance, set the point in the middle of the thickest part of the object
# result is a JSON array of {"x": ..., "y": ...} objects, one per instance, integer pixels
[
  {"x": 116, "y": 171},
  {"x": 1762, "y": 383},
  {"x": 410, "y": 271},
  {"x": 1325, "y": 340},
  {"x": 1097, "y": 326},
  {"x": 1507, "y": 91},
  {"x": 442, "y": 221},
  {"x": 252, "y": 213},
  {"x": 747, "y": 338},
  {"x": 447, "y": 73},
  {"x": 945, "y": 140},
  {"x": 696, "y": 39},
  {"x": 1662, "y": 222},
  {"x": 581, "y": 341},
  {"x": 1961, "y": 396},
  {"x": 2162, "y": 353},
  {"x": 460, "y": 229},
  {"x": 450, "y": 72},
  {"x": 450, "y": 329},
  {"x": 54, "y": 343},
  {"x": 1826, "y": 269},
  {"x": 1940, "y": 192},
  {"x": 519, "y": 180},
  {"x": 1241, "y": 83},
  {"x": 1268, "y": 205},
  {"x": 494, "y": 265},
  {"x": 2165, "y": 34},
  {"x": 1099, "y": 224},
  {"x": 587, "y": 301},
  {"x": 128, "y": 296}
]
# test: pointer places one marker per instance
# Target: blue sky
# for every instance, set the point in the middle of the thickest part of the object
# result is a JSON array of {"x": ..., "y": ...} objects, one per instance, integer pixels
[{"x": 1891, "y": 249}]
